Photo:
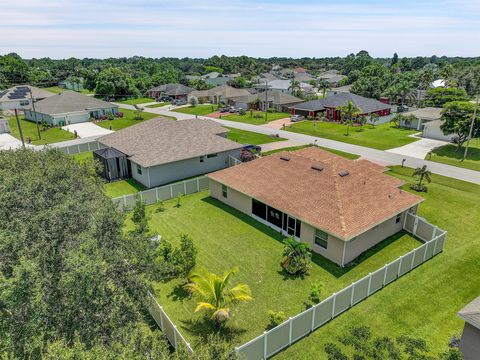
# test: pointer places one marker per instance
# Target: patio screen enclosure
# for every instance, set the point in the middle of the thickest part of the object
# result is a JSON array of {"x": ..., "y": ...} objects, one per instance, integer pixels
[{"x": 115, "y": 164}]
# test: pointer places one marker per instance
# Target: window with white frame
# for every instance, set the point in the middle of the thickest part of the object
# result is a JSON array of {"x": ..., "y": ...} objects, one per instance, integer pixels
[
  {"x": 224, "y": 191},
  {"x": 398, "y": 218},
  {"x": 321, "y": 238},
  {"x": 139, "y": 170}
]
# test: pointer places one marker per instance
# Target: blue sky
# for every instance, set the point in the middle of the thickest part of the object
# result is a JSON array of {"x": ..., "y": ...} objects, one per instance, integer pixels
[{"x": 264, "y": 28}]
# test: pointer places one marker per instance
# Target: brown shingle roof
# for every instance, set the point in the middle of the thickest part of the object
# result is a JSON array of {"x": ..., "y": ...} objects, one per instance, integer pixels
[
  {"x": 161, "y": 141},
  {"x": 342, "y": 206}
]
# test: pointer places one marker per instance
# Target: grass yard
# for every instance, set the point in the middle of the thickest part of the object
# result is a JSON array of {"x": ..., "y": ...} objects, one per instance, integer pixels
[
  {"x": 382, "y": 137},
  {"x": 448, "y": 155},
  {"x": 200, "y": 110},
  {"x": 157, "y": 105},
  {"x": 424, "y": 302},
  {"x": 127, "y": 120},
  {"x": 256, "y": 118},
  {"x": 224, "y": 238},
  {"x": 250, "y": 137},
  {"x": 137, "y": 101},
  {"x": 83, "y": 156},
  {"x": 293, "y": 148},
  {"x": 29, "y": 129},
  {"x": 123, "y": 187},
  {"x": 58, "y": 90}
]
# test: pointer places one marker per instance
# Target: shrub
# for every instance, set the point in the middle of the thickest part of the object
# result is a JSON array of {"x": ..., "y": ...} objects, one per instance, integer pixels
[
  {"x": 296, "y": 257},
  {"x": 246, "y": 156},
  {"x": 160, "y": 207},
  {"x": 179, "y": 200},
  {"x": 276, "y": 318},
  {"x": 241, "y": 112},
  {"x": 193, "y": 101},
  {"x": 315, "y": 291},
  {"x": 119, "y": 114},
  {"x": 173, "y": 261},
  {"x": 419, "y": 188},
  {"x": 271, "y": 110}
]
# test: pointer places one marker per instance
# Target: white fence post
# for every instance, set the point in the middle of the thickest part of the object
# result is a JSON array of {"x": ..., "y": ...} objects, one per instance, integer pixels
[
  {"x": 125, "y": 200},
  {"x": 171, "y": 192},
  {"x": 78, "y": 147},
  {"x": 434, "y": 233},
  {"x": 333, "y": 304},
  {"x": 413, "y": 258},
  {"x": 399, "y": 266},
  {"x": 351, "y": 296},
  {"x": 290, "y": 331},
  {"x": 265, "y": 344},
  {"x": 415, "y": 225},
  {"x": 185, "y": 187},
  {"x": 369, "y": 283},
  {"x": 313, "y": 316},
  {"x": 161, "y": 318},
  {"x": 434, "y": 247},
  {"x": 175, "y": 336},
  {"x": 156, "y": 194},
  {"x": 198, "y": 184},
  {"x": 385, "y": 275}
]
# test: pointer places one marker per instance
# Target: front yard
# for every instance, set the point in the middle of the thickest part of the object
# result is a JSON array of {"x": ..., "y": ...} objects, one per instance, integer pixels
[
  {"x": 29, "y": 129},
  {"x": 448, "y": 155},
  {"x": 224, "y": 238},
  {"x": 200, "y": 110},
  {"x": 256, "y": 117},
  {"x": 382, "y": 137},
  {"x": 250, "y": 137},
  {"x": 137, "y": 101},
  {"x": 127, "y": 120}
]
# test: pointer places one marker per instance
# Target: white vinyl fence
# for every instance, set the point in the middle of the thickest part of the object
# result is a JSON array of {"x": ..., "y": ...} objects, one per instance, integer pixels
[
  {"x": 297, "y": 327},
  {"x": 166, "y": 325},
  {"x": 233, "y": 161},
  {"x": 162, "y": 193},
  {"x": 81, "y": 147}
]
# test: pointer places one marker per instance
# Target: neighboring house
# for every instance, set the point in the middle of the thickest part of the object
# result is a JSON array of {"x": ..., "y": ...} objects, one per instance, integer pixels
[
  {"x": 160, "y": 151},
  {"x": 18, "y": 97},
  {"x": 218, "y": 94},
  {"x": 432, "y": 130},
  {"x": 266, "y": 100},
  {"x": 211, "y": 75},
  {"x": 176, "y": 91},
  {"x": 263, "y": 78},
  {"x": 470, "y": 342},
  {"x": 218, "y": 81},
  {"x": 332, "y": 78},
  {"x": 330, "y": 105},
  {"x": 69, "y": 107},
  {"x": 423, "y": 115},
  {"x": 340, "y": 207},
  {"x": 69, "y": 85},
  {"x": 304, "y": 77},
  {"x": 285, "y": 86},
  {"x": 337, "y": 90},
  {"x": 4, "y": 128}
]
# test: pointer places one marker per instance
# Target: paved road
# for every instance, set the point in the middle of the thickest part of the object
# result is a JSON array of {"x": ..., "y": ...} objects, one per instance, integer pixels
[{"x": 379, "y": 156}]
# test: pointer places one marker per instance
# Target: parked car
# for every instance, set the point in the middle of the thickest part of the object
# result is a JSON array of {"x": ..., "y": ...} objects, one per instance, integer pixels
[
  {"x": 295, "y": 118},
  {"x": 179, "y": 102},
  {"x": 253, "y": 148},
  {"x": 163, "y": 99},
  {"x": 234, "y": 109},
  {"x": 224, "y": 109}
]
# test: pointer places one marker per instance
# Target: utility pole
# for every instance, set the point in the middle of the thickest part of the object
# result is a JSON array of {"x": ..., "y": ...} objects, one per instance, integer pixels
[
  {"x": 266, "y": 100},
  {"x": 19, "y": 128},
  {"x": 471, "y": 128},
  {"x": 35, "y": 114}
]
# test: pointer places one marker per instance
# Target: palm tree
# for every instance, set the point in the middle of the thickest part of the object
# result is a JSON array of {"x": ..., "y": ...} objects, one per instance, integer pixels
[
  {"x": 324, "y": 86},
  {"x": 296, "y": 257},
  {"x": 216, "y": 294},
  {"x": 294, "y": 87},
  {"x": 421, "y": 174},
  {"x": 404, "y": 89},
  {"x": 348, "y": 113},
  {"x": 373, "y": 119}
]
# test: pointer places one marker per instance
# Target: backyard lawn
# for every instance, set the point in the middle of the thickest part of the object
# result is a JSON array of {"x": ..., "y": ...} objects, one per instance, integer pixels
[
  {"x": 382, "y": 137},
  {"x": 424, "y": 302},
  {"x": 29, "y": 129},
  {"x": 83, "y": 156},
  {"x": 127, "y": 120},
  {"x": 293, "y": 148},
  {"x": 256, "y": 117},
  {"x": 58, "y": 90},
  {"x": 448, "y": 155},
  {"x": 137, "y": 101},
  {"x": 200, "y": 110},
  {"x": 250, "y": 137},
  {"x": 224, "y": 238},
  {"x": 122, "y": 187}
]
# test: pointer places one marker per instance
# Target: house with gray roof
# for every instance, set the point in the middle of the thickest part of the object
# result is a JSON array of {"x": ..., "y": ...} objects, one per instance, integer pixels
[
  {"x": 160, "y": 151},
  {"x": 470, "y": 342},
  {"x": 218, "y": 94},
  {"x": 69, "y": 107},
  {"x": 330, "y": 105},
  {"x": 270, "y": 99},
  {"x": 18, "y": 97},
  {"x": 176, "y": 91}
]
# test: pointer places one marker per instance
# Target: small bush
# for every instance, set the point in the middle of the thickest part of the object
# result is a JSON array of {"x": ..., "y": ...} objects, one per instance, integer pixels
[
  {"x": 160, "y": 207},
  {"x": 179, "y": 200},
  {"x": 119, "y": 114},
  {"x": 419, "y": 188},
  {"x": 258, "y": 115},
  {"x": 276, "y": 318},
  {"x": 315, "y": 291},
  {"x": 173, "y": 261},
  {"x": 241, "y": 112}
]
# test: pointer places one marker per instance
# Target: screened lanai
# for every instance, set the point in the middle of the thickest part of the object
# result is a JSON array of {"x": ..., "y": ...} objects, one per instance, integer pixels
[{"x": 115, "y": 164}]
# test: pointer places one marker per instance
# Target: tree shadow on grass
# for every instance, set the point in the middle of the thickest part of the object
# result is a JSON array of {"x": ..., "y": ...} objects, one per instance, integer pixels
[
  {"x": 179, "y": 293},
  {"x": 204, "y": 326}
]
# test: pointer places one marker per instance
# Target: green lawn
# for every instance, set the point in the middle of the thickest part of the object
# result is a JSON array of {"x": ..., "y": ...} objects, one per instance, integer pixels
[
  {"x": 293, "y": 148},
  {"x": 256, "y": 118},
  {"x": 224, "y": 238},
  {"x": 250, "y": 137},
  {"x": 137, "y": 101},
  {"x": 83, "y": 156},
  {"x": 448, "y": 155},
  {"x": 123, "y": 187},
  {"x": 382, "y": 137},
  {"x": 157, "y": 105},
  {"x": 424, "y": 302},
  {"x": 58, "y": 90},
  {"x": 127, "y": 120},
  {"x": 29, "y": 129},
  {"x": 202, "y": 109}
]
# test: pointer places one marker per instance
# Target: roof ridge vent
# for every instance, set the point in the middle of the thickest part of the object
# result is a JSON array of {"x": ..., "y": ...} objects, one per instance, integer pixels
[
  {"x": 285, "y": 158},
  {"x": 317, "y": 167},
  {"x": 343, "y": 173}
]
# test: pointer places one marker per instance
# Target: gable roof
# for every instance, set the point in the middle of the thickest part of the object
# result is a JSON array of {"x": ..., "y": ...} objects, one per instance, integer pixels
[
  {"x": 344, "y": 206},
  {"x": 366, "y": 105},
  {"x": 160, "y": 141},
  {"x": 471, "y": 313},
  {"x": 22, "y": 92},
  {"x": 172, "y": 89},
  {"x": 428, "y": 113},
  {"x": 70, "y": 101},
  {"x": 276, "y": 97}
]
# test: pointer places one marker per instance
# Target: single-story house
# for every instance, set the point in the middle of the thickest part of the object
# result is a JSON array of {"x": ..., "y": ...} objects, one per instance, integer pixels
[
  {"x": 160, "y": 151},
  {"x": 332, "y": 79},
  {"x": 285, "y": 86},
  {"x": 218, "y": 81},
  {"x": 176, "y": 91},
  {"x": 304, "y": 77},
  {"x": 340, "y": 89},
  {"x": 423, "y": 115},
  {"x": 70, "y": 85},
  {"x": 470, "y": 342},
  {"x": 218, "y": 94},
  {"x": 69, "y": 107},
  {"x": 277, "y": 100},
  {"x": 18, "y": 97},
  {"x": 4, "y": 128},
  {"x": 432, "y": 130},
  {"x": 340, "y": 207},
  {"x": 330, "y": 105},
  {"x": 264, "y": 77}
]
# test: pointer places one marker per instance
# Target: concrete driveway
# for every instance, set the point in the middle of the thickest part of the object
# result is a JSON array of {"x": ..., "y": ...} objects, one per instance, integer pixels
[
  {"x": 278, "y": 124},
  {"x": 281, "y": 144},
  {"x": 7, "y": 142},
  {"x": 86, "y": 129},
  {"x": 418, "y": 149}
]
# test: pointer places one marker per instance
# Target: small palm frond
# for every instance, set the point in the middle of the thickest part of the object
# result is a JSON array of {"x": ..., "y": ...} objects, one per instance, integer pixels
[{"x": 204, "y": 306}]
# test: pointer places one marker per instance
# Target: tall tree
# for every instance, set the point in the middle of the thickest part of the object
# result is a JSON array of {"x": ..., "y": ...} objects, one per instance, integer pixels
[
  {"x": 457, "y": 119},
  {"x": 349, "y": 112}
]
